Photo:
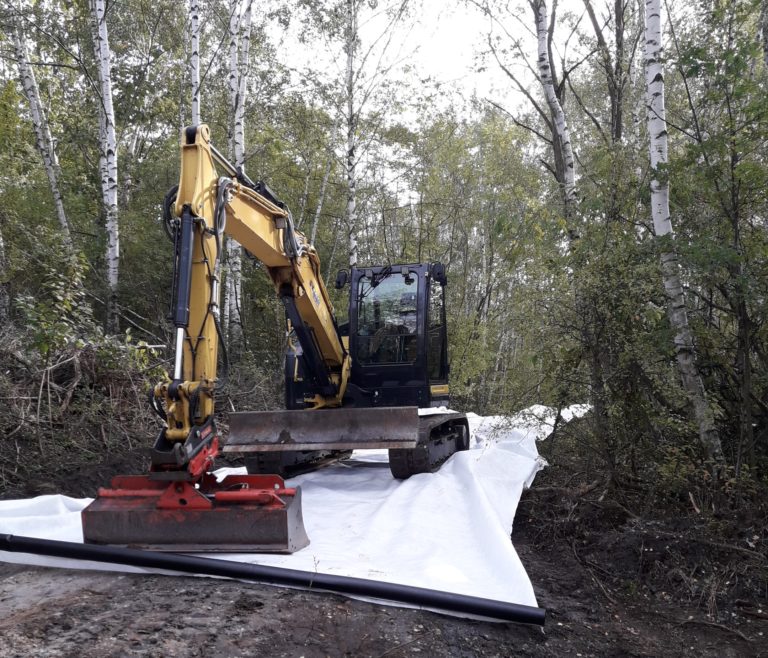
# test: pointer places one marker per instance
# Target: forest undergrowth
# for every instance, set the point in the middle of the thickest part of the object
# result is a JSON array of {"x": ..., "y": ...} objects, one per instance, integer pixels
[
  {"x": 80, "y": 414},
  {"x": 670, "y": 538},
  {"x": 626, "y": 561}
]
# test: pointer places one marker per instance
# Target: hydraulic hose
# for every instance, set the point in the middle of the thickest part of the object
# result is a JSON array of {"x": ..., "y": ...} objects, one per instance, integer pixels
[{"x": 418, "y": 596}]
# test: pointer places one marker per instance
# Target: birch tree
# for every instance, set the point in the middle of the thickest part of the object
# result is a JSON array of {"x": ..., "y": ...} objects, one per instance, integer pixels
[
  {"x": 239, "y": 47},
  {"x": 43, "y": 138},
  {"x": 551, "y": 112},
  {"x": 561, "y": 138},
  {"x": 350, "y": 47},
  {"x": 662, "y": 224},
  {"x": 5, "y": 300},
  {"x": 323, "y": 185},
  {"x": 194, "y": 59},
  {"x": 366, "y": 67},
  {"x": 107, "y": 156}
]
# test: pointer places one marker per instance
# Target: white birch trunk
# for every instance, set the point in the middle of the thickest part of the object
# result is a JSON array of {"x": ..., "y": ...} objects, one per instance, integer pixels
[
  {"x": 351, "y": 42},
  {"x": 194, "y": 59},
  {"x": 662, "y": 224},
  {"x": 230, "y": 290},
  {"x": 233, "y": 292},
  {"x": 43, "y": 138},
  {"x": 239, "y": 48},
  {"x": 242, "y": 79},
  {"x": 304, "y": 195},
  {"x": 5, "y": 301},
  {"x": 108, "y": 156},
  {"x": 233, "y": 273},
  {"x": 129, "y": 160},
  {"x": 561, "y": 138},
  {"x": 324, "y": 184},
  {"x": 232, "y": 81}
]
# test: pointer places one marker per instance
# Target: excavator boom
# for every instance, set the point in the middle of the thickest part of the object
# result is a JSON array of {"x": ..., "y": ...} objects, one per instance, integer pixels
[{"x": 180, "y": 505}]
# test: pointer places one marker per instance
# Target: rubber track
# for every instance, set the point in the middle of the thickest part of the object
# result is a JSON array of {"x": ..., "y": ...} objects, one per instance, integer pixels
[{"x": 440, "y": 436}]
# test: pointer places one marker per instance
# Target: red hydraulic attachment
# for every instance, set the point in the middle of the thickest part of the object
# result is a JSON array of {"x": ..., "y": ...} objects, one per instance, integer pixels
[{"x": 242, "y": 513}]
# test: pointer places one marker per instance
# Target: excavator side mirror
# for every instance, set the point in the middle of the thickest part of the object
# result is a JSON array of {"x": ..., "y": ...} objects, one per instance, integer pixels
[
  {"x": 342, "y": 276},
  {"x": 439, "y": 274}
]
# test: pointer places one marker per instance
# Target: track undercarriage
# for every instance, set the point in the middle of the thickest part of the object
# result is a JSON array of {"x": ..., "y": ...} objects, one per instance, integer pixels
[{"x": 438, "y": 437}]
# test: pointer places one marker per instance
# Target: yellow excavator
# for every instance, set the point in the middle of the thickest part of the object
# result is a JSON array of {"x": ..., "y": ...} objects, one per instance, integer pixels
[{"x": 351, "y": 386}]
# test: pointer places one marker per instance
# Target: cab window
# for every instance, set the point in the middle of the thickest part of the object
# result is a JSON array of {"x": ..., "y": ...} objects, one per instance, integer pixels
[{"x": 386, "y": 319}]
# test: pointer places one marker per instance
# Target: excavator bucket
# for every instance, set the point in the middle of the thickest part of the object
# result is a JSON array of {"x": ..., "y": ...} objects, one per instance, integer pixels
[
  {"x": 242, "y": 513},
  {"x": 346, "y": 428}
]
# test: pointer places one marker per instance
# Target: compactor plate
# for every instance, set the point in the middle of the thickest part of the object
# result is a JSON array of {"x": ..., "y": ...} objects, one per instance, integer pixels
[
  {"x": 243, "y": 513},
  {"x": 323, "y": 429}
]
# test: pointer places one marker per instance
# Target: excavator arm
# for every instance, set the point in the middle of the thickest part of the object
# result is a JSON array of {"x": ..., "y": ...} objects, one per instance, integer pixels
[
  {"x": 180, "y": 504},
  {"x": 210, "y": 207}
]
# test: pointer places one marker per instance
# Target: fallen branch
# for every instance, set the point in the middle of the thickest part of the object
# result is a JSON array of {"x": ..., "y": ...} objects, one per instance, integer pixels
[
  {"x": 709, "y": 542},
  {"x": 576, "y": 492},
  {"x": 614, "y": 504},
  {"x": 603, "y": 589},
  {"x": 70, "y": 391},
  {"x": 404, "y": 644},
  {"x": 713, "y": 624},
  {"x": 758, "y": 614}
]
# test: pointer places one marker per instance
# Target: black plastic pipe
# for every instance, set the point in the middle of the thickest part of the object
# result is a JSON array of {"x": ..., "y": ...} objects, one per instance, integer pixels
[{"x": 417, "y": 596}]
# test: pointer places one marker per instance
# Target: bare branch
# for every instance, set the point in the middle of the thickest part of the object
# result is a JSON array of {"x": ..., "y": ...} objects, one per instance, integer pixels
[
  {"x": 519, "y": 123},
  {"x": 589, "y": 114}
]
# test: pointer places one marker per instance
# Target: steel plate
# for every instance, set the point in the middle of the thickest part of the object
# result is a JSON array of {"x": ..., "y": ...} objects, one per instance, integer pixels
[{"x": 337, "y": 429}]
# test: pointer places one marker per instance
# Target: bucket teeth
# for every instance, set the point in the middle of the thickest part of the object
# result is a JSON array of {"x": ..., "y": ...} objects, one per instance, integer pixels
[{"x": 243, "y": 513}]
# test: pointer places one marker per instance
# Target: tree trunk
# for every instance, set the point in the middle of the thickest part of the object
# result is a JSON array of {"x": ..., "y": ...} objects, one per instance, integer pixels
[
  {"x": 5, "y": 301},
  {"x": 324, "y": 185},
  {"x": 746, "y": 450},
  {"x": 351, "y": 47},
  {"x": 305, "y": 193},
  {"x": 561, "y": 135},
  {"x": 230, "y": 289},
  {"x": 129, "y": 160},
  {"x": 194, "y": 59},
  {"x": 764, "y": 30},
  {"x": 662, "y": 224},
  {"x": 43, "y": 138},
  {"x": 108, "y": 156},
  {"x": 239, "y": 47},
  {"x": 242, "y": 78}
]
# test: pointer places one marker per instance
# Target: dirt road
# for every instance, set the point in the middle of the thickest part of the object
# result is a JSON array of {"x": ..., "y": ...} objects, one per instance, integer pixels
[{"x": 59, "y": 613}]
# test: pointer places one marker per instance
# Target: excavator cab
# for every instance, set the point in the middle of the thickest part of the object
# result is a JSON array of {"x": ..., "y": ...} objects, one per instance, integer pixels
[{"x": 397, "y": 336}]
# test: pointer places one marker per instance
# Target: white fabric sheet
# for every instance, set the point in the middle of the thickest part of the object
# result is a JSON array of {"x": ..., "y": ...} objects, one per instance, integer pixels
[{"x": 447, "y": 531}]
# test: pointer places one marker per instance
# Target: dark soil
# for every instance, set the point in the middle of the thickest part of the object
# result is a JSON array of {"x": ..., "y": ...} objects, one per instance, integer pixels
[{"x": 614, "y": 583}]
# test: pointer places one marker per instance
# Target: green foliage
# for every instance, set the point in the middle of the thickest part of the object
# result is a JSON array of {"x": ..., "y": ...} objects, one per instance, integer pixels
[
  {"x": 720, "y": 177},
  {"x": 532, "y": 318},
  {"x": 59, "y": 314}
]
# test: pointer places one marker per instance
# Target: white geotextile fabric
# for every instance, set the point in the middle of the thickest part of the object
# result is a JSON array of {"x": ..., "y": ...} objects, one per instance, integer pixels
[{"x": 446, "y": 531}]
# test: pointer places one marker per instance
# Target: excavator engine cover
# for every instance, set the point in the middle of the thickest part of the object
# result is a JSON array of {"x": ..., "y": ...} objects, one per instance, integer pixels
[{"x": 242, "y": 513}]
